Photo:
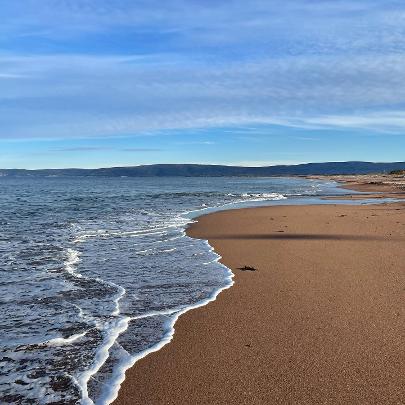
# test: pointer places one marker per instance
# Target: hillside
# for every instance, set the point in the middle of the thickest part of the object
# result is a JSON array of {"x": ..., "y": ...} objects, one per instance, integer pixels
[{"x": 188, "y": 170}]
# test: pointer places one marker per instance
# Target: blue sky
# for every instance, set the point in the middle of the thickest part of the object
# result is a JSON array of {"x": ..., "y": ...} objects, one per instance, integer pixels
[{"x": 91, "y": 83}]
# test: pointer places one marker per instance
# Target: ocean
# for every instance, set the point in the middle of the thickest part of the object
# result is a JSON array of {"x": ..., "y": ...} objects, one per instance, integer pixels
[{"x": 94, "y": 273}]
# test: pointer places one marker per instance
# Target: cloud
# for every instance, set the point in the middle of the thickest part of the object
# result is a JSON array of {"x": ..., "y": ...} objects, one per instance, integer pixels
[
  {"x": 202, "y": 22},
  {"x": 197, "y": 143},
  {"x": 384, "y": 121},
  {"x": 304, "y": 138},
  {"x": 10, "y": 76},
  {"x": 82, "y": 149},
  {"x": 114, "y": 95},
  {"x": 177, "y": 65},
  {"x": 103, "y": 148},
  {"x": 141, "y": 150}
]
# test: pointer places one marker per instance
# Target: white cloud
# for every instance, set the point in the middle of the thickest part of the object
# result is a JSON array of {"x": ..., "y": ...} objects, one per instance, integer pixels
[
  {"x": 383, "y": 121},
  {"x": 107, "y": 95},
  {"x": 318, "y": 64}
]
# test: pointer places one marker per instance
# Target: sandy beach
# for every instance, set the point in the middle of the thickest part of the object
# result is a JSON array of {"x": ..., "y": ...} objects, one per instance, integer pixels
[{"x": 320, "y": 321}]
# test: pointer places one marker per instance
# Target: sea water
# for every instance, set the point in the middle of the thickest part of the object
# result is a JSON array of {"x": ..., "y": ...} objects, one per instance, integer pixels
[{"x": 94, "y": 273}]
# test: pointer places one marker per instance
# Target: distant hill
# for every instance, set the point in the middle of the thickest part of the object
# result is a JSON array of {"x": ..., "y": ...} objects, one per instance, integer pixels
[{"x": 189, "y": 170}]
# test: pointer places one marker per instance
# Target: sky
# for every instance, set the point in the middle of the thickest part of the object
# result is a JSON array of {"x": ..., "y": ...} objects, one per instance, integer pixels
[{"x": 98, "y": 83}]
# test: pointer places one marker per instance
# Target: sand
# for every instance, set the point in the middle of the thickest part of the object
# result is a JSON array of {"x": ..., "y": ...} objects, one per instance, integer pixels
[
  {"x": 321, "y": 320},
  {"x": 368, "y": 182}
]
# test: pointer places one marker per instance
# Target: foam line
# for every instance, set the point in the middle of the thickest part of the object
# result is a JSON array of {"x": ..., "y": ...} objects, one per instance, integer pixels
[
  {"x": 118, "y": 296},
  {"x": 110, "y": 391},
  {"x": 111, "y": 331},
  {"x": 59, "y": 341},
  {"x": 72, "y": 260}
]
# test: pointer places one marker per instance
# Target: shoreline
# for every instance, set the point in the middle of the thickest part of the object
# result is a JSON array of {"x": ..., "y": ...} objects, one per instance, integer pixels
[
  {"x": 181, "y": 373},
  {"x": 367, "y": 183}
]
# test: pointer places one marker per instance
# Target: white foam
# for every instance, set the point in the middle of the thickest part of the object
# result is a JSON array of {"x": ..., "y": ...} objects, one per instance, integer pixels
[
  {"x": 80, "y": 310},
  {"x": 143, "y": 251},
  {"x": 119, "y": 295},
  {"x": 263, "y": 196},
  {"x": 154, "y": 251},
  {"x": 152, "y": 230},
  {"x": 72, "y": 259},
  {"x": 128, "y": 234},
  {"x": 111, "y": 332},
  {"x": 110, "y": 391},
  {"x": 168, "y": 240},
  {"x": 167, "y": 250},
  {"x": 246, "y": 198},
  {"x": 60, "y": 341}
]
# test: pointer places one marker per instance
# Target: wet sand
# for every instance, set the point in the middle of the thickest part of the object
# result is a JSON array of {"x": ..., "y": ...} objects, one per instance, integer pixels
[{"x": 321, "y": 320}]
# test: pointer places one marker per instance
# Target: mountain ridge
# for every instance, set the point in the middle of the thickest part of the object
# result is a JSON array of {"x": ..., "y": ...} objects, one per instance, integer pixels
[{"x": 201, "y": 170}]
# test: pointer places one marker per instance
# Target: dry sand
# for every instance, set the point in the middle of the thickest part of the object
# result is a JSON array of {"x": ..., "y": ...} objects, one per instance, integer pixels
[
  {"x": 321, "y": 321},
  {"x": 369, "y": 182}
]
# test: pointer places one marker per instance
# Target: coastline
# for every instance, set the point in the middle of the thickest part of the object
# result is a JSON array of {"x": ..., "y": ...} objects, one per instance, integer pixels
[{"x": 289, "y": 333}]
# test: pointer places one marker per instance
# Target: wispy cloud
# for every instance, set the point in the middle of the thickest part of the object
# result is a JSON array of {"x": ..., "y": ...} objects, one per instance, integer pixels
[
  {"x": 304, "y": 138},
  {"x": 196, "y": 143},
  {"x": 163, "y": 66},
  {"x": 141, "y": 150},
  {"x": 10, "y": 76},
  {"x": 81, "y": 149},
  {"x": 102, "y": 149},
  {"x": 381, "y": 121},
  {"x": 106, "y": 96}
]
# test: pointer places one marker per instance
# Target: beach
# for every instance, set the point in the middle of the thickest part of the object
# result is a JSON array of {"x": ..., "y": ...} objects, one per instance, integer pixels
[{"x": 320, "y": 320}]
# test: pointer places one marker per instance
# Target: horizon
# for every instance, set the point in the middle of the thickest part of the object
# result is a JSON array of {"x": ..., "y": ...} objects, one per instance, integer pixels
[
  {"x": 97, "y": 83},
  {"x": 203, "y": 164}
]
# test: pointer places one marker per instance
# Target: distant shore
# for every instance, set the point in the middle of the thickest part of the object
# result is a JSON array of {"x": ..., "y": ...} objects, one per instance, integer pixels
[
  {"x": 321, "y": 320},
  {"x": 373, "y": 183}
]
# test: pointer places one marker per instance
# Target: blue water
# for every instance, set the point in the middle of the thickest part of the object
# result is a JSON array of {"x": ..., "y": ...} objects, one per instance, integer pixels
[{"x": 95, "y": 271}]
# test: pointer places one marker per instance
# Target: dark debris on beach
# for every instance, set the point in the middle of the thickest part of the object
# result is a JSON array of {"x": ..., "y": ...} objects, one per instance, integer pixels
[{"x": 247, "y": 268}]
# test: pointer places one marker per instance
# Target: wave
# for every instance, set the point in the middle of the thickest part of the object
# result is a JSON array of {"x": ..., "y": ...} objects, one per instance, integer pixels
[
  {"x": 264, "y": 196},
  {"x": 114, "y": 329},
  {"x": 73, "y": 257},
  {"x": 110, "y": 392},
  {"x": 106, "y": 280},
  {"x": 60, "y": 341},
  {"x": 110, "y": 330}
]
